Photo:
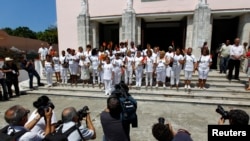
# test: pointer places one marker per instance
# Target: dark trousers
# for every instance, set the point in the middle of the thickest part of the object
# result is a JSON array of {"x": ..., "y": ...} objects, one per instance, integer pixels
[
  {"x": 233, "y": 64},
  {"x": 223, "y": 64},
  {"x": 31, "y": 75},
  {"x": 9, "y": 83},
  {"x": 4, "y": 88}
]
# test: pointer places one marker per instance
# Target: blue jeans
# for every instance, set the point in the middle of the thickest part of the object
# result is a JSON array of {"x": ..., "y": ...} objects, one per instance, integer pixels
[{"x": 223, "y": 64}]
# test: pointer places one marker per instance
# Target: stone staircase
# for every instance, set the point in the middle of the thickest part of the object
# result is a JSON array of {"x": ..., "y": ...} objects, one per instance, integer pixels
[{"x": 219, "y": 91}]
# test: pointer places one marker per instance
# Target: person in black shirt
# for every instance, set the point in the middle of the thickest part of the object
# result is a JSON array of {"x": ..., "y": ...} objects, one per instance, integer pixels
[
  {"x": 12, "y": 74},
  {"x": 114, "y": 129},
  {"x": 30, "y": 68}
]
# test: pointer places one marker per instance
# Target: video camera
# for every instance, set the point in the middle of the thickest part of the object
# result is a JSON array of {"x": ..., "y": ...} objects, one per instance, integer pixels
[
  {"x": 161, "y": 120},
  {"x": 83, "y": 112},
  {"x": 42, "y": 108},
  {"x": 224, "y": 114}
]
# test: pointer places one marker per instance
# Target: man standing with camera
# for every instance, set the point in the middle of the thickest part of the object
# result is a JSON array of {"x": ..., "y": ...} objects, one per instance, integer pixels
[
  {"x": 30, "y": 68},
  {"x": 114, "y": 129},
  {"x": 70, "y": 117}
]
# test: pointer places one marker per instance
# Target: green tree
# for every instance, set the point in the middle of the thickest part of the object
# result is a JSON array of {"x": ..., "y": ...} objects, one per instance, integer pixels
[
  {"x": 49, "y": 35},
  {"x": 8, "y": 30},
  {"x": 24, "y": 32}
]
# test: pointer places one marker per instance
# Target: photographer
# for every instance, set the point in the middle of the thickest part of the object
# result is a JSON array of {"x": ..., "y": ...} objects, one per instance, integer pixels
[
  {"x": 235, "y": 116},
  {"x": 114, "y": 129},
  {"x": 165, "y": 132},
  {"x": 36, "y": 121},
  {"x": 16, "y": 116},
  {"x": 70, "y": 117},
  {"x": 30, "y": 68}
]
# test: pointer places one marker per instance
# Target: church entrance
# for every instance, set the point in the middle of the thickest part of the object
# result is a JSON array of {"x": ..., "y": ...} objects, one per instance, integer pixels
[
  {"x": 223, "y": 29},
  {"x": 164, "y": 34},
  {"x": 109, "y": 32}
]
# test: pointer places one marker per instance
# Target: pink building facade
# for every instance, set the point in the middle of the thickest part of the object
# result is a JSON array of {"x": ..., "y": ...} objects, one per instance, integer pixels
[{"x": 186, "y": 23}]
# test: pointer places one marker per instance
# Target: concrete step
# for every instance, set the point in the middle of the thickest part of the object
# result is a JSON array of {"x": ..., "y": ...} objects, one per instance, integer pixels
[
  {"x": 213, "y": 95},
  {"x": 157, "y": 96}
]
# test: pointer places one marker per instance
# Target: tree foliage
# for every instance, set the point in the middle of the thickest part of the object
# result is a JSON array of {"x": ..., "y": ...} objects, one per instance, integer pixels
[{"x": 49, "y": 35}]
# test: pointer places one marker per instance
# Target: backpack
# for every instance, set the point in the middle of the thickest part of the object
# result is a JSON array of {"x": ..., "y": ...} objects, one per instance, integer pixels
[
  {"x": 59, "y": 136},
  {"x": 128, "y": 105},
  {"x": 13, "y": 137}
]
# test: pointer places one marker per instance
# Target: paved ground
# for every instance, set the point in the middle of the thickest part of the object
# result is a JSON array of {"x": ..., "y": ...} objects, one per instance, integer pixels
[{"x": 194, "y": 118}]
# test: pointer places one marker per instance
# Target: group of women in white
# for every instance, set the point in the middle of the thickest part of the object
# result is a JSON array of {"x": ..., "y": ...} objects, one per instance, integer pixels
[{"x": 109, "y": 67}]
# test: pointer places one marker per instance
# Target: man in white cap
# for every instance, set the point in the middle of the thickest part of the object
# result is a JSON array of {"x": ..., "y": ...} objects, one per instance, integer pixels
[{"x": 12, "y": 74}]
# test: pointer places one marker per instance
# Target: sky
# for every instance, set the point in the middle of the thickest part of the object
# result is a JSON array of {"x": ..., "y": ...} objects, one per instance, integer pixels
[{"x": 37, "y": 15}]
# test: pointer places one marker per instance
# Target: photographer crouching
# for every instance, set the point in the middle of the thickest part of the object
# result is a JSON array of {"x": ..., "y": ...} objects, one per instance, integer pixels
[
  {"x": 71, "y": 117},
  {"x": 234, "y": 116},
  {"x": 164, "y": 132}
]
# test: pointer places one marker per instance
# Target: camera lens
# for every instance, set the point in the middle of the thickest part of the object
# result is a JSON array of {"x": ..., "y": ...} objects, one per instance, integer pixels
[{"x": 161, "y": 120}]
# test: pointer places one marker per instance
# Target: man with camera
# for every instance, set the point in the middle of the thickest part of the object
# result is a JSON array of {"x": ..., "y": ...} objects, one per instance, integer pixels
[
  {"x": 16, "y": 116},
  {"x": 70, "y": 118},
  {"x": 235, "y": 116},
  {"x": 30, "y": 68},
  {"x": 164, "y": 132}
]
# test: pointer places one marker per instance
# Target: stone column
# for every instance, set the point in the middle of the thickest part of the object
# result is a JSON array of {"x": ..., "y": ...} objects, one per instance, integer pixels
[
  {"x": 95, "y": 34},
  {"x": 83, "y": 25},
  {"x": 129, "y": 23},
  {"x": 138, "y": 31},
  {"x": 189, "y": 32},
  {"x": 201, "y": 27},
  {"x": 244, "y": 28}
]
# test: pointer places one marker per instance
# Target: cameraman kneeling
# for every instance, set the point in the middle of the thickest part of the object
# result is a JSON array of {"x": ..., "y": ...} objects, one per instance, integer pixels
[
  {"x": 165, "y": 132},
  {"x": 70, "y": 118}
]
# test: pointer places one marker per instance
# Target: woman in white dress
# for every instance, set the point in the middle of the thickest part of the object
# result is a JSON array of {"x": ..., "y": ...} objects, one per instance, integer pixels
[
  {"x": 189, "y": 67},
  {"x": 108, "y": 75},
  {"x": 149, "y": 68},
  {"x": 84, "y": 64},
  {"x": 176, "y": 68},
  {"x": 138, "y": 68},
  {"x": 64, "y": 68},
  {"x": 94, "y": 60},
  {"x": 73, "y": 67},
  {"x": 49, "y": 69},
  {"x": 117, "y": 64},
  {"x": 128, "y": 63},
  {"x": 56, "y": 62},
  {"x": 160, "y": 68},
  {"x": 204, "y": 63}
]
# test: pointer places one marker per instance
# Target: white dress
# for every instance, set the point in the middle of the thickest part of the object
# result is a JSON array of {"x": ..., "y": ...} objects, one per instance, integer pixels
[{"x": 56, "y": 63}]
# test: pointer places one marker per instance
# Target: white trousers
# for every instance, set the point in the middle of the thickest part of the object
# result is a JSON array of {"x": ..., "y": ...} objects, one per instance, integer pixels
[
  {"x": 149, "y": 75},
  {"x": 175, "y": 75},
  {"x": 107, "y": 85}
]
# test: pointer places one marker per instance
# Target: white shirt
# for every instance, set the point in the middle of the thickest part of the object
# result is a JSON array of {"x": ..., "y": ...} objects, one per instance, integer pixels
[
  {"x": 107, "y": 71},
  {"x": 79, "y": 56},
  {"x": 204, "y": 62},
  {"x": 169, "y": 55},
  {"x": 28, "y": 136},
  {"x": 117, "y": 63},
  {"x": 128, "y": 62},
  {"x": 94, "y": 61},
  {"x": 48, "y": 66},
  {"x": 176, "y": 59},
  {"x": 149, "y": 64},
  {"x": 189, "y": 63},
  {"x": 225, "y": 50},
  {"x": 236, "y": 50},
  {"x": 75, "y": 136},
  {"x": 43, "y": 51},
  {"x": 138, "y": 62},
  {"x": 63, "y": 59},
  {"x": 40, "y": 126}
]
